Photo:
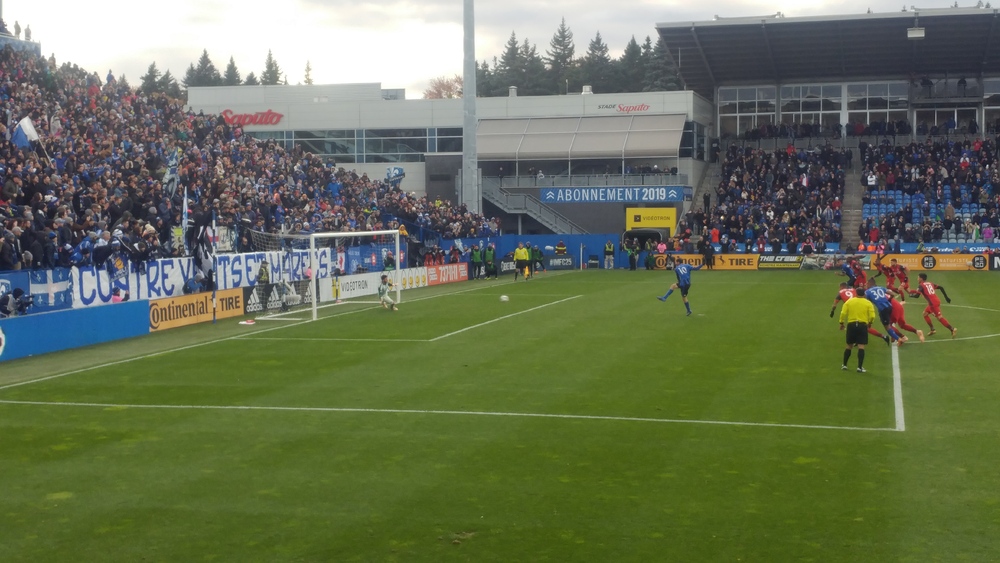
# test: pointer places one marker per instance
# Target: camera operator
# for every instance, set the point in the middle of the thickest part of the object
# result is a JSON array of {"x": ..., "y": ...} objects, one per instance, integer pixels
[{"x": 15, "y": 303}]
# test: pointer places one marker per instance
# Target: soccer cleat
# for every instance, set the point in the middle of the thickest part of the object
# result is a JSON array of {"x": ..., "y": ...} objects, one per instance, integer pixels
[
  {"x": 954, "y": 331},
  {"x": 662, "y": 298},
  {"x": 689, "y": 313},
  {"x": 888, "y": 341},
  {"x": 862, "y": 370},
  {"x": 932, "y": 332},
  {"x": 844, "y": 367},
  {"x": 920, "y": 335}
]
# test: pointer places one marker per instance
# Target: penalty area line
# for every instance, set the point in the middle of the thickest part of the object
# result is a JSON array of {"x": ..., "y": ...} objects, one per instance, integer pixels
[
  {"x": 491, "y": 321},
  {"x": 897, "y": 391},
  {"x": 447, "y": 412}
]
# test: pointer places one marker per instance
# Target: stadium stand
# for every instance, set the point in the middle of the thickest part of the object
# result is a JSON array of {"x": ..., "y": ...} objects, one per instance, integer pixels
[{"x": 111, "y": 159}]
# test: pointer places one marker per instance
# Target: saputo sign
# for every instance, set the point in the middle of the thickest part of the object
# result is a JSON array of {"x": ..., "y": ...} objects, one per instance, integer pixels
[{"x": 260, "y": 118}]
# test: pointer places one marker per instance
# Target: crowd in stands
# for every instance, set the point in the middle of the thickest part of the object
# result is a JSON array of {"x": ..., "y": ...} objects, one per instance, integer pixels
[
  {"x": 100, "y": 179},
  {"x": 932, "y": 192},
  {"x": 788, "y": 199}
]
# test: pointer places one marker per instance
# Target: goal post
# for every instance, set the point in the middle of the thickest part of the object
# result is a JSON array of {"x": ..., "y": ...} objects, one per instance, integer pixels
[{"x": 337, "y": 264}]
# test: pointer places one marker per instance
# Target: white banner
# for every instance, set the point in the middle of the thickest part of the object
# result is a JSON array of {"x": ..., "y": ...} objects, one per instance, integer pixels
[
  {"x": 163, "y": 278},
  {"x": 361, "y": 285}
]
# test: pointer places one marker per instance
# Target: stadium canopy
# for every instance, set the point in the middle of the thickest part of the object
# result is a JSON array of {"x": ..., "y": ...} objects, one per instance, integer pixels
[
  {"x": 617, "y": 136},
  {"x": 957, "y": 42}
]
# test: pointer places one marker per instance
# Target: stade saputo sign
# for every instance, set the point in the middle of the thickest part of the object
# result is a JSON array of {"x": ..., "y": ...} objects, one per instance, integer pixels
[
  {"x": 624, "y": 108},
  {"x": 259, "y": 118}
]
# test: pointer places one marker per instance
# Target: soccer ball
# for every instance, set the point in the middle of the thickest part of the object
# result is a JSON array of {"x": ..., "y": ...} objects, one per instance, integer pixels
[{"x": 504, "y": 298}]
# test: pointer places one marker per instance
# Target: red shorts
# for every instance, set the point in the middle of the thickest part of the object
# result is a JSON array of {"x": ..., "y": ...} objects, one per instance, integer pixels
[
  {"x": 898, "y": 313},
  {"x": 932, "y": 310}
]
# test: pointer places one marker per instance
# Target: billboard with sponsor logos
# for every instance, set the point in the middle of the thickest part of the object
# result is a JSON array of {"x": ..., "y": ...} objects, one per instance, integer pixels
[
  {"x": 651, "y": 218},
  {"x": 939, "y": 262},
  {"x": 195, "y": 308},
  {"x": 779, "y": 262},
  {"x": 722, "y": 261},
  {"x": 447, "y": 273},
  {"x": 994, "y": 262}
]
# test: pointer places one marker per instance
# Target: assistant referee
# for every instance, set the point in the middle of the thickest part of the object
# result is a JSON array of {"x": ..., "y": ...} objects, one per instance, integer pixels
[{"x": 856, "y": 316}]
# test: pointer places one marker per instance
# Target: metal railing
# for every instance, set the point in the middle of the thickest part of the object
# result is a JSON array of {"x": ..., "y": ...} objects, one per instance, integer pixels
[{"x": 529, "y": 205}]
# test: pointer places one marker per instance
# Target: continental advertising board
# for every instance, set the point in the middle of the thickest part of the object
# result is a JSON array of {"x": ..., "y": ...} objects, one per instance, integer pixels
[
  {"x": 940, "y": 262},
  {"x": 722, "y": 261},
  {"x": 196, "y": 308}
]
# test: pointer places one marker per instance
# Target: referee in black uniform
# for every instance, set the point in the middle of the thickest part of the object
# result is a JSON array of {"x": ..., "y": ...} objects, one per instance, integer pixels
[{"x": 856, "y": 317}]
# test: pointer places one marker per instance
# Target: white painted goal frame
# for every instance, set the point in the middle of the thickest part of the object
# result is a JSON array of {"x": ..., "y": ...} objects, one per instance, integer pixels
[{"x": 393, "y": 275}]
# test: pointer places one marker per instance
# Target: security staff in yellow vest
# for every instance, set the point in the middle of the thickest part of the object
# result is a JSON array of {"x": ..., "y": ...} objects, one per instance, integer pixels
[
  {"x": 609, "y": 256},
  {"x": 521, "y": 257}
]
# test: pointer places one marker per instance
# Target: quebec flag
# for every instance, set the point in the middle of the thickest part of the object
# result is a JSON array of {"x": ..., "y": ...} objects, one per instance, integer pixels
[
  {"x": 24, "y": 133},
  {"x": 52, "y": 289}
]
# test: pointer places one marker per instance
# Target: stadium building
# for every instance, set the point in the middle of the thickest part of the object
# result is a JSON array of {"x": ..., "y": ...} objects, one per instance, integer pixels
[{"x": 581, "y": 162}]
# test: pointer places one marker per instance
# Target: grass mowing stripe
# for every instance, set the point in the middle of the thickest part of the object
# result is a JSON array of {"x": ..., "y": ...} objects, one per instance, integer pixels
[
  {"x": 447, "y": 412},
  {"x": 491, "y": 321},
  {"x": 897, "y": 390}
]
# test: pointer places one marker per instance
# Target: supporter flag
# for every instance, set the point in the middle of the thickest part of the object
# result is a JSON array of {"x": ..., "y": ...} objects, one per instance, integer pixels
[
  {"x": 117, "y": 266},
  {"x": 52, "y": 289},
  {"x": 24, "y": 133},
  {"x": 184, "y": 220},
  {"x": 55, "y": 125}
]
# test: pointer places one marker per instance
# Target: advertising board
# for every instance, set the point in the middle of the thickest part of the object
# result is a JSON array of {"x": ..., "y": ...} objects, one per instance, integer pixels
[
  {"x": 939, "y": 262},
  {"x": 195, "y": 308}
]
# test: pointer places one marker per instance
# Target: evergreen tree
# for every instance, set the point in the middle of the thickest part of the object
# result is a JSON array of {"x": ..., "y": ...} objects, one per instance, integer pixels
[
  {"x": 232, "y": 75},
  {"x": 559, "y": 58},
  {"x": 510, "y": 69},
  {"x": 661, "y": 73},
  {"x": 251, "y": 80},
  {"x": 168, "y": 85},
  {"x": 272, "y": 72},
  {"x": 309, "y": 69},
  {"x": 485, "y": 80},
  {"x": 533, "y": 80},
  {"x": 597, "y": 68},
  {"x": 149, "y": 82},
  {"x": 631, "y": 68},
  {"x": 190, "y": 77},
  {"x": 206, "y": 73}
]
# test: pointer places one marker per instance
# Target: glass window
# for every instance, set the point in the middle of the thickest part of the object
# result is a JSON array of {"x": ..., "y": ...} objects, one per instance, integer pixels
[
  {"x": 880, "y": 90},
  {"x": 831, "y": 91},
  {"x": 899, "y": 89},
  {"x": 727, "y": 108},
  {"x": 765, "y": 106},
  {"x": 727, "y": 127},
  {"x": 373, "y": 146},
  {"x": 857, "y": 90},
  {"x": 404, "y": 145},
  {"x": 831, "y": 104},
  {"x": 993, "y": 100},
  {"x": 747, "y": 107},
  {"x": 789, "y": 105},
  {"x": 310, "y": 134},
  {"x": 449, "y": 144},
  {"x": 877, "y": 102},
  {"x": 766, "y": 93},
  {"x": 747, "y": 94},
  {"x": 898, "y": 103},
  {"x": 857, "y": 103},
  {"x": 727, "y": 94},
  {"x": 991, "y": 86},
  {"x": 449, "y": 132},
  {"x": 376, "y": 133},
  {"x": 341, "y": 146}
]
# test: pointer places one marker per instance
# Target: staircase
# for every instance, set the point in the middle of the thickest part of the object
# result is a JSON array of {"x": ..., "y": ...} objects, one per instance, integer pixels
[
  {"x": 532, "y": 206},
  {"x": 850, "y": 213}
]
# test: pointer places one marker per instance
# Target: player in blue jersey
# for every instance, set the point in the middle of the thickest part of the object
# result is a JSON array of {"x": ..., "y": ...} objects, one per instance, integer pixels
[
  {"x": 878, "y": 296},
  {"x": 683, "y": 272},
  {"x": 848, "y": 270}
]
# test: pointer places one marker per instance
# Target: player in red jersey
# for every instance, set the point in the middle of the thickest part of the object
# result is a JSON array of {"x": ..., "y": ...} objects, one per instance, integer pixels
[
  {"x": 902, "y": 273},
  {"x": 846, "y": 292},
  {"x": 929, "y": 291},
  {"x": 890, "y": 276},
  {"x": 898, "y": 318},
  {"x": 860, "y": 277}
]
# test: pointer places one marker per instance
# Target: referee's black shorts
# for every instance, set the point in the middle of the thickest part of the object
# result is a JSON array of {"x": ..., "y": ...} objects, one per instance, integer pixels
[{"x": 857, "y": 333}]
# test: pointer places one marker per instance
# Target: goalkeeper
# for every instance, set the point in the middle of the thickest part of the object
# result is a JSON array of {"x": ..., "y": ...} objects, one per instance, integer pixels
[{"x": 383, "y": 294}]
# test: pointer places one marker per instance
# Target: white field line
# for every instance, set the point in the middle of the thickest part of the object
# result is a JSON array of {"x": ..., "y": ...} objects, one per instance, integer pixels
[
  {"x": 282, "y": 319},
  {"x": 897, "y": 390},
  {"x": 217, "y": 340},
  {"x": 334, "y": 339},
  {"x": 491, "y": 321},
  {"x": 929, "y": 341},
  {"x": 449, "y": 412},
  {"x": 971, "y": 307}
]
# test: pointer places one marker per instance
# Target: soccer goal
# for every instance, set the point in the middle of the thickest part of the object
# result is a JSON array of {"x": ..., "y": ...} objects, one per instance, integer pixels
[
  {"x": 360, "y": 258},
  {"x": 323, "y": 269}
]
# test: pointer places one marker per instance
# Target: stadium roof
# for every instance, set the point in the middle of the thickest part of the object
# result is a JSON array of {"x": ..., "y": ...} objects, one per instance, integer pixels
[{"x": 775, "y": 49}]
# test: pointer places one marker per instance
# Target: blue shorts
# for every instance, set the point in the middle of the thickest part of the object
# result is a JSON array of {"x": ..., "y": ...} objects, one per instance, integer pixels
[{"x": 684, "y": 289}]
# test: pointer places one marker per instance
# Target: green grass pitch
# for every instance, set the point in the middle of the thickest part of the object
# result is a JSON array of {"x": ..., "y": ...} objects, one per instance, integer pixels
[{"x": 583, "y": 420}]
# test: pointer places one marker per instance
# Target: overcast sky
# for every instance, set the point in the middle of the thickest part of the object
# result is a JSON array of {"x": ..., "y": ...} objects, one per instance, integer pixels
[{"x": 399, "y": 43}]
